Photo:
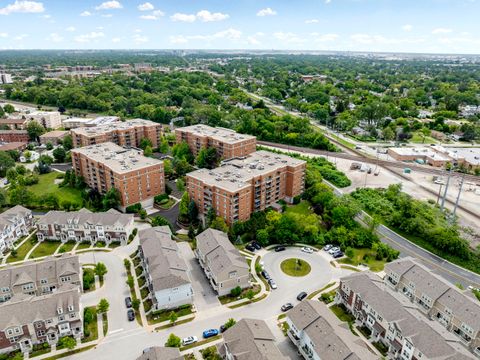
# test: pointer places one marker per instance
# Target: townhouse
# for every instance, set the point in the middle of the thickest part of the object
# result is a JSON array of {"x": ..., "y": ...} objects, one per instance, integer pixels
[
  {"x": 222, "y": 263},
  {"x": 393, "y": 322},
  {"x": 85, "y": 226},
  {"x": 437, "y": 299},
  {"x": 228, "y": 143},
  {"x": 249, "y": 339},
  {"x": 14, "y": 223},
  {"x": 318, "y": 334},
  {"x": 39, "y": 278},
  {"x": 28, "y": 320},
  {"x": 241, "y": 186},
  {"x": 105, "y": 166},
  {"x": 165, "y": 271},
  {"x": 161, "y": 353}
]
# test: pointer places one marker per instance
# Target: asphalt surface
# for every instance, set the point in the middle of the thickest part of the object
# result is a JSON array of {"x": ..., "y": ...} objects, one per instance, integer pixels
[{"x": 171, "y": 215}]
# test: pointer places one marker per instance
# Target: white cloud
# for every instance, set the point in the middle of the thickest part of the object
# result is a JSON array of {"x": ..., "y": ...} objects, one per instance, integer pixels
[
  {"x": 252, "y": 40},
  {"x": 178, "y": 39},
  {"x": 288, "y": 37},
  {"x": 441, "y": 31},
  {"x": 86, "y": 13},
  {"x": 266, "y": 12},
  {"x": 86, "y": 38},
  {"x": 207, "y": 16},
  {"x": 407, "y": 27},
  {"x": 230, "y": 34},
  {"x": 328, "y": 1},
  {"x": 116, "y": 40},
  {"x": 70, "y": 29},
  {"x": 324, "y": 37},
  {"x": 3, "y": 35},
  {"x": 145, "y": 7},
  {"x": 109, "y": 5},
  {"x": 54, "y": 37},
  {"x": 312, "y": 21},
  {"x": 99, "y": 27},
  {"x": 46, "y": 16},
  {"x": 139, "y": 39},
  {"x": 183, "y": 17},
  {"x": 155, "y": 15},
  {"x": 106, "y": 15},
  {"x": 138, "y": 31},
  {"x": 22, "y": 7},
  {"x": 21, "y": 37}
]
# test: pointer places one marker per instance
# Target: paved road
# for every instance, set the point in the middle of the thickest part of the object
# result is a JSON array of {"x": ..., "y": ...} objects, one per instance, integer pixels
[{"x": 171, "y": 215}]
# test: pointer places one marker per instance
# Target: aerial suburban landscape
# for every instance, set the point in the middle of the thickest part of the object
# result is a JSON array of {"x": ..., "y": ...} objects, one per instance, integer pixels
[{"x": 181, "y": 183}]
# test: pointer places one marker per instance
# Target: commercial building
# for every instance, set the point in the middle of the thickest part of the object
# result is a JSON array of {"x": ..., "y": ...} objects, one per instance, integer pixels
[
  {"x": 166, "y": 273},
  {"x": 222, "y": 263},
  {"x": 241, "y": 186},
  {"x": 85, "y": 226},
  {"x": 124, "y": 133},
  {"x": 14, "y": 136},
  {"x": 437, "y": 299},
  {"x": 39, "y": 278},
  {"x": 138, "y": 178},
  {"x": 249, "y": 339},
  {"x": 393, "y": 321},
  {"x": 53, "y": 137},
  {"x": 5, "y": 78},
  {"x": 228, "y": 143},
  {"x": 28, "y": 320},
  {"x": 14, "y": 223},
  {"x": 75, "y": 122},
  {"x": 318, "y": 334},
  {"x": 161, "y": 353}
]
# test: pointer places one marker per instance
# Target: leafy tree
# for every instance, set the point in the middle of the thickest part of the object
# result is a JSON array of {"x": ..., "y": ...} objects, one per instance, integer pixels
[
  {"x": 173, "y": 341},
  {"x": 148, "y": 151},
  {"x": 59, "y": 154},
  {"x": 88, "y": 315},
  {"x": 388, "y": 134},
  {"x": 207, "y": 158},
  {"x": 103, "y": 306},
  {"x": 67, "y": 142},
  {"x": 49, "y": 145},
  {"x": 173, "y": 317},
  {"x": 192, "y": 211},
  {"x": 145, "y": 142},
  {"x": 191, "y": 231},
  {"x": 34, "y": 130},
  {"x": 180, "y": 185},
  {"x": 183, "y": 207},
  {"x": 130, "y": 281},
  {"x": 9, "y": 108},
  {"x": 111, "y": 199},
  {"x": 249, "y": 294},
  {"x": 88, "y": 279},
  {"x": 3, "y": 198},
  {"x": 230, "y": 322},
  {"x": 100, "y": 270},
  {"x": 136, "y": 304},
  {"x": 67, "y": 342},
  {"x": 160, "y": 221},
  {"x": 236, "y": 291},
  {"x": 6, "y": 162},
  {"x": 219, "y": 224}
]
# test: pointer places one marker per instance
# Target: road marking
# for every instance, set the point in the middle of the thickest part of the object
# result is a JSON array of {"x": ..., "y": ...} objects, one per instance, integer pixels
[{"x": 115, "y": 331}]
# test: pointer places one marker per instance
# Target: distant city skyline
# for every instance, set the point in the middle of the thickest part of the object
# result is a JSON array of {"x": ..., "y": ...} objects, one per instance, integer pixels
[{"x": 425, "y": 26}]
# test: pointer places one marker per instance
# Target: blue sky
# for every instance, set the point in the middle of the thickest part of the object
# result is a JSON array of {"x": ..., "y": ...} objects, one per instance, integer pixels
[{"x": 447, "y": 26}]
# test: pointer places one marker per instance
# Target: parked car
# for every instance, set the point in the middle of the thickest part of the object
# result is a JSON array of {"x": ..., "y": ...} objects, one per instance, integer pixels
[
  {"x": 287, "y": 307},
  {"x": 333, "y": 250},
  {"x": 189, "y": 340},
  {"x": 327, "y": 247},
  {"x": 128, "y": 302},
  {"x": 209, "y": 333},
  {"x": 301, "y": 296},
  {"x": 146, "y": 350},
  {"x": 250, "y": 247},
  {"x": 266, "y": 275},
  {"x": 307, "y": 250},
  {"x": 131, "y": 315},
  {"x": 280, "y": 248},
  {"x": 337, "y": 255},
  {"x": 256, "y": 245},
  {"x": 222, "y": 328},
  {"x": 272, "y": 283}
]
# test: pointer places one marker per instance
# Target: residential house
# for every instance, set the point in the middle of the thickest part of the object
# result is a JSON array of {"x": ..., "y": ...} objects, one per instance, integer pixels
[
  {"x": 28, "y": 320},
  {"x": 40, "y": 277},
  {"x": 222, "y": 263},
  {"x": 14, "y": 223},
  {"x": 85, "y": 226},
  {"x": 320, "y": 335},
  {"x": 161, "y": 353},
  {"x": 165, "y": 271},
  {"x": 249, "y": 339}
]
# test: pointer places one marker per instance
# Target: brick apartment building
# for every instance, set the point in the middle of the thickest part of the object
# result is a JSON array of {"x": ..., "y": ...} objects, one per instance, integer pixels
[
  {"x": 138, "y": 178},
  {"x": 127, "y": 133},
  {"x": 228, "y": 143},
  {"x": 15, "y": 123},
  {"x": 19, "y": 121},
  {"x": 14, "y": 136},
  {"x": 241, "y": 186},
  {"x": 53, "y": 137}
]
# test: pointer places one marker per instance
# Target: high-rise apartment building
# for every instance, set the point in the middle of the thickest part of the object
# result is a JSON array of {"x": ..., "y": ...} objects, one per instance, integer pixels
[
  {"x": 228, "y": 143},
  {"x": 105, "y": 166},
  {"x": 124, "y": 133},
  {"x": 241, "y": 186}
]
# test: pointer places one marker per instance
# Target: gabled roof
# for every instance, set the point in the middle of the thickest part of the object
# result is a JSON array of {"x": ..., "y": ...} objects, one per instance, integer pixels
[
  {"x": 161, "y": 353},
  {"x": 9, "y": 216},
  {"x": 84, "y": 216}
]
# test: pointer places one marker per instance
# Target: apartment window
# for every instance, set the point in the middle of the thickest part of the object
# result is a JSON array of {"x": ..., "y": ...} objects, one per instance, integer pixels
[
  {"x": 28, "y": 287},
  {"x": 38, "y": 325},
  {"x": 59, "y": 310},
  {"x": 61, "y": 318},
  {"x": 72, "y": 315},
  {"x": 5, "y": 290},
  {"x": 65, "y": 279},
  {"x": 40, "y": 332},
  {"x": 44, "y": 281},
  {"x": 70, "y": 308}
]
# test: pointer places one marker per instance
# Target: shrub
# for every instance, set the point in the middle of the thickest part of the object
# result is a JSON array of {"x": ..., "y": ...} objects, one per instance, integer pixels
[
  {"x": 133, "y": 209},
  {"x": 236, "y": 291},
  {"x": 159, "y": 198}
]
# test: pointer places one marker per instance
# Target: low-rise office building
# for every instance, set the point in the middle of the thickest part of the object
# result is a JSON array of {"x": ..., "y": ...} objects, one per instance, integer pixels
[
  {"x": 85, "y": 226},
  {"x": 39, "y": 278},
  {"x": 241, "y": 186},
  {"x": 14, "y": 223},
  {"x": 437, "y": 299},
  {"x": 166, "y": 273},
  {"x": 249, "y": 339},
  {"x": 127, "y": 133},
  {"x": 222, "y": 263},
  {"x": 318, "y": 334},
  {"x": 227, "y": 142},
  {"x": 14, "y": 136},
  {"x": 28, "y": 320},
  {"x": 53, "y": 137},
  {"x": 105, "y": 166}
]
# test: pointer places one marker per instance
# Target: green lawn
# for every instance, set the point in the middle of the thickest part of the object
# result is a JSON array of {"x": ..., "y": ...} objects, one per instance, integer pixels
[
  {"x": 163, "y": 315},
  {"x": 364, "y": 256},
  {"x": 295, "y": 267},
  {"x": 226, "y": 299},
  {"x": 417, "y": 138},
  {"x": 92, "y": 327},
  {"x": 342, "y": 313},
  {"x": 302, "y": 209},
  {"x": 67, "y": 247},
  {"x": 46, "y": 185},
  {"x": 83, "y": 245},
  {"x": 22, "y": 251},
  {"x": 45, "y": 248}
]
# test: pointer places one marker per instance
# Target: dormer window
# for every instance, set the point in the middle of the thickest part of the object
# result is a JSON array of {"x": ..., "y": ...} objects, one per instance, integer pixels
[
  {"x": 70, "y": 308},
  {"x": 59, "y": 310}
]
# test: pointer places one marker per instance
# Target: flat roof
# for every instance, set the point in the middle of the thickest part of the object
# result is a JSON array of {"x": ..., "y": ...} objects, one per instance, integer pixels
[
  {"x": 117, "y": 158},
  {"x": 237, "y": 173},
  {"x": 419, "y": 151},
  {"x": 216, "y": 133},
  {"x": 471, "y": 155},
  {"x": 12, "y": 146},
  {"x": 119, "y": 125},
  {"x": 56, "y": 133}
]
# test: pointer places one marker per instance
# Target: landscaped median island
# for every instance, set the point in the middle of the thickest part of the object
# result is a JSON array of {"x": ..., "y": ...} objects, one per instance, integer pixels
[
  {"x": 239, "y": 293},
  {"x": 295, "y": 267}
]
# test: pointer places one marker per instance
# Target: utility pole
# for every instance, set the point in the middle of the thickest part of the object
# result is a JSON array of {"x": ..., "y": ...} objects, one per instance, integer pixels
[
  {"x": 439, "y": 193},
  {"x": 458, "y": 196},
  {"x": 446, "y": 189}
]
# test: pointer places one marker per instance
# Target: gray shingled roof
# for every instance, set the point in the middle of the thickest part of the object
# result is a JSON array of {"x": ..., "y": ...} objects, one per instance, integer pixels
[
  {"x": 331, "y": 339},
  {"x": 219, "y": 251},
  {"x": 111, "y": 217},
  {"x": 161, "y": 353},
  {"x": 166, "y": 268},
  {"x": 463, "y": 307},
  {"x": 400, "y": 266},
  {"x": 251, "y": 339},
  {"x": 22, "y": 309},
  {"x": 7, "y": 216}
]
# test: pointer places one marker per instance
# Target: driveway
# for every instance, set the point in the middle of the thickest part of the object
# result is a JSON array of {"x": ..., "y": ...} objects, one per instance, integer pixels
[
  {"x": 171, "y": 215},
  {"x": 203, "y": 295}
]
